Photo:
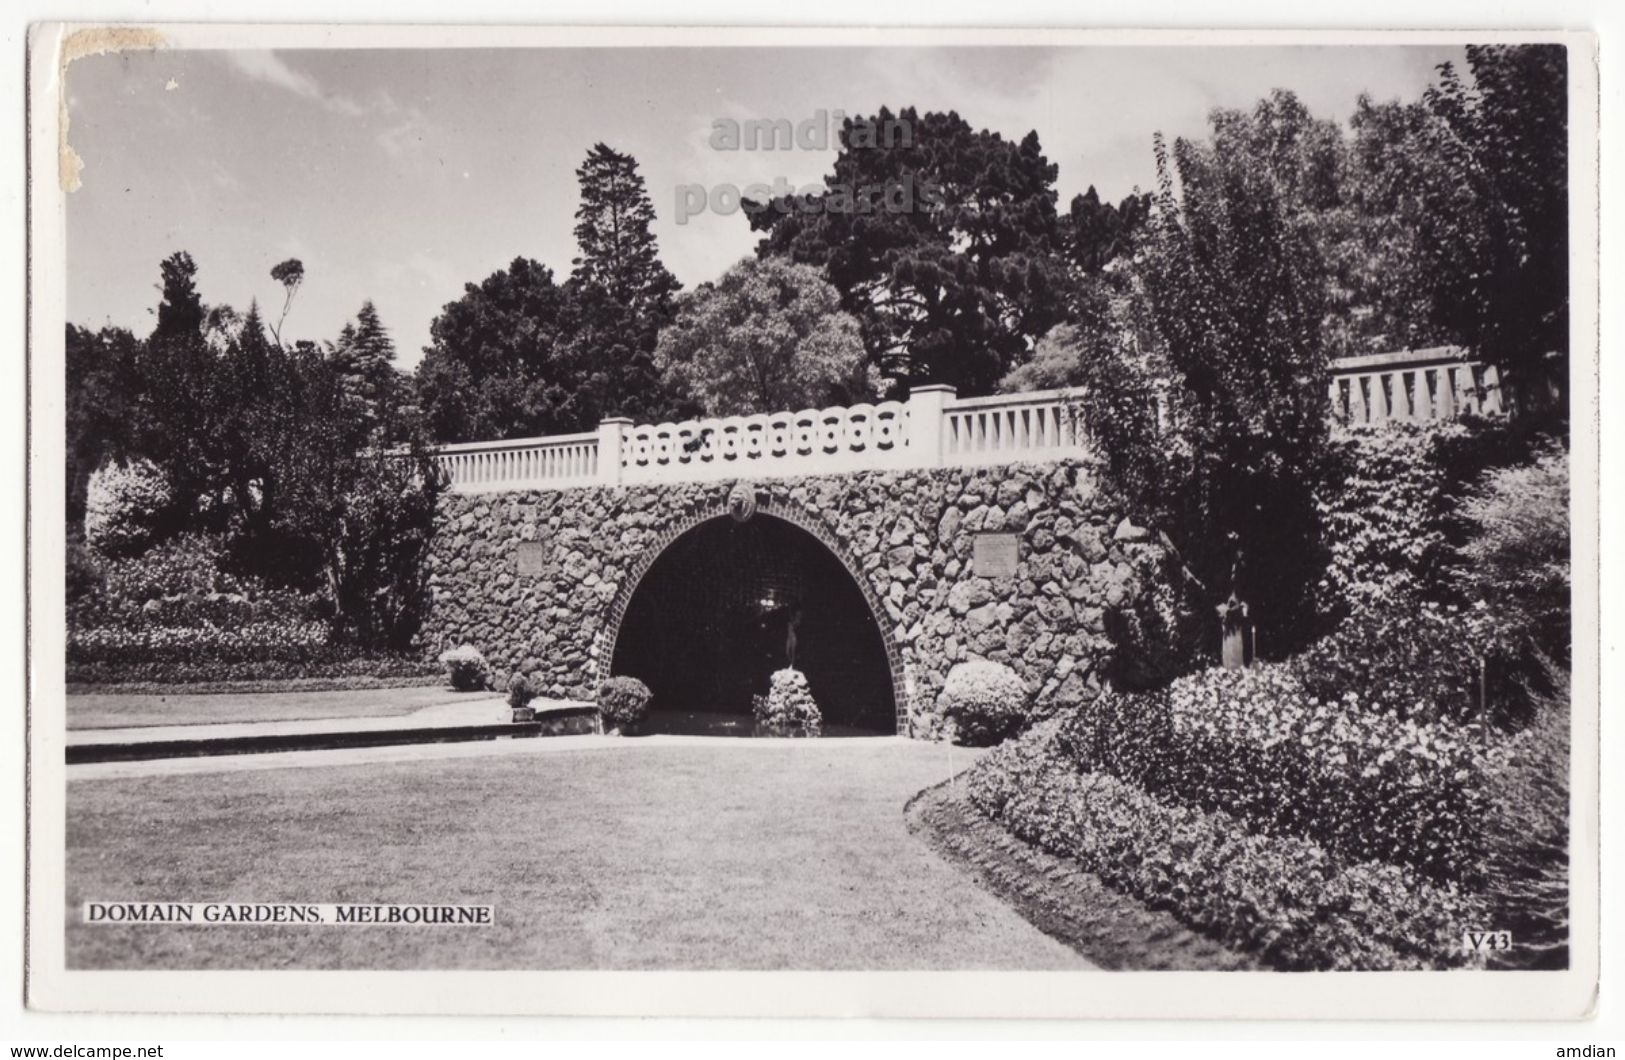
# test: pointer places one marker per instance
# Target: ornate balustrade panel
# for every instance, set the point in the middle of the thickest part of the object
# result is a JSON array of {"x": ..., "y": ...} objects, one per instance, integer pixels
[
  {"x": 1412, "y": 387},
  {"x": 932, "y": 428},
  {"x": 1011, "y": 427},
  {"x": 557, "y": 462},
  {"x": 813, "y": 441}
]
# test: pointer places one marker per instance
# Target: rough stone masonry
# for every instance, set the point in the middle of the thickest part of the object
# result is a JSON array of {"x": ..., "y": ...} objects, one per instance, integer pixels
[{"x": 538, "y": 580}]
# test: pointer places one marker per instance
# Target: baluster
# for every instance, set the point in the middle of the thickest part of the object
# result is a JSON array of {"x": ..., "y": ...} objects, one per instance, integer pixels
[
  {"x": 1493, "y": 404},
  {"x": 1377, "y": 411}
]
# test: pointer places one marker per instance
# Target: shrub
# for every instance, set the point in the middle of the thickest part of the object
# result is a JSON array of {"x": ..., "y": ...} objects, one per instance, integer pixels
[
  {"x": 1387, "y": 500},
  {"x": 520, "y": 691},
  {"x": 124, "y": 507},
  {"x": 335, "y": 667},
  {"x": 1285, "y": 898},
  {"x": 788, "y": 707},
  {"x": 466, "y": 668},
  {"x": 289, "y": 642},
  {"x": 1253, "y": 744},
  {"x": 183, "y": 583},
  {"x": 191, "y": 564},
  {"x": 1517, "y": 561},
  {"x": 986, "y": 701},
  {"x": 623, "y": 701},
  {"x": 1411, "y": 658},
  {"x": 85, "y": 581}
]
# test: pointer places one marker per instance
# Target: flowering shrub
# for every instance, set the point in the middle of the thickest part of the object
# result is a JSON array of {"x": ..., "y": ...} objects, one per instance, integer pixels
[
  {"x": 788, "y": 708},
  {"x": 623, "y": 701},
  {"x": 1415, "y": 659},
  {"x": 337, "y": 664},
  {"x": 1253, "y": 743},
  {"x": 466, "y": 668},
  {"x": 986, "y": 701},
  {"x": 122, "y": 507},
  {"x": 249, "y": 642},
  {"x": 1285, "y": 898}
]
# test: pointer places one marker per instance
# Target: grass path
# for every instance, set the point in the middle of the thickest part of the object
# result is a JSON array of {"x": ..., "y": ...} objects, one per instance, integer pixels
[
  {"x": 118, "y": 710},
  {"x": 729, "y": 854}
]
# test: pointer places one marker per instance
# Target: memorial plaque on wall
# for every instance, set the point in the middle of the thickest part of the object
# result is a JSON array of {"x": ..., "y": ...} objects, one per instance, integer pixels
[
  {"x": 995, "y": 555},
  {"x": 530, "y": 557}
]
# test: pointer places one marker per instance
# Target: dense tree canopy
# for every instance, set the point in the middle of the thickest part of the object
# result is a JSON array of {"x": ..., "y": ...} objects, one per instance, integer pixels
[
  {"x": 1494, "y": 242},
  {"x": 521, "y": 354},
  {"x": 620, "y": 293},
  {"x": 306, "y": 462},
  {"x": 617, "y": 252},
  {"x": 498, "y": 366},
  {"x": 946, "y": 246},
  {"x": 769, "y": 336},
  {"x": 101, "y": 387}
]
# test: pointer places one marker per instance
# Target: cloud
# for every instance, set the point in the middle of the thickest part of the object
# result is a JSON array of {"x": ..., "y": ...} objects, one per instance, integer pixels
[
  {"x": 269, "y": 68},
  {"x": 405, "y": 136}
]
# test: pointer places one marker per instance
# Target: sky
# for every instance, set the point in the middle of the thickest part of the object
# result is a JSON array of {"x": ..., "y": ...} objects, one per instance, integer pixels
[{"x": 401, "y": 175}]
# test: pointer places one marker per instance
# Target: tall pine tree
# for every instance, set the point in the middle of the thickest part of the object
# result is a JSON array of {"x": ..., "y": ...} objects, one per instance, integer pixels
[
  {"x": 620, "y": 293},
  {"x": 618, "y": 254},
  {"x": 365, "y": 359}
]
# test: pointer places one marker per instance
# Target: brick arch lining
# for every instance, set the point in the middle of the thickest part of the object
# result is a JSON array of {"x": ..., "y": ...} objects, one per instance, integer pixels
[{"x": 778, "y": 508}]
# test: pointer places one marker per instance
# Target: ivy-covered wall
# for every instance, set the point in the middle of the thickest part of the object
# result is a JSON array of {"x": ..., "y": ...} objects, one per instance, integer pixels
[{"x": 539, "y": 580}]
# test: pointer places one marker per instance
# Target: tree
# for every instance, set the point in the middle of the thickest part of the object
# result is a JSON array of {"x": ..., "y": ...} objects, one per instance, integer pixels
[
  {"x": 499, "y": 365},
  {"x": 1388, "y": 175},
  {"x": 768, "y": 336},
  {"x": 178, "y": 405},
  {"x": 180, "y": 309},
  {"x": 616, "y": 251},
  {"x": 944, "y": 244},
  {"x": 290, "y": 274},
  {"x": 100, "y": 371},
  {"x": 1495, "y": 229},
  {"x": 354, "y": 516},
  {"x": 1096, "y": 233},
  {"x": 1215, "y": 429},
  {"x": 619, "y": 295},
  {"x": 365, "y": 359}
]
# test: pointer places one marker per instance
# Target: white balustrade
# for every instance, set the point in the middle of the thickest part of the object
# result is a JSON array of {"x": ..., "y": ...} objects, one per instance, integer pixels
[
  {"x": 933, "y": 428},
  {"x": 1012, "y": 427},
  {"x": 555, "y": 462},
  {"x": 1412, "y": 387},
  {"x": 813, "y": 441}
]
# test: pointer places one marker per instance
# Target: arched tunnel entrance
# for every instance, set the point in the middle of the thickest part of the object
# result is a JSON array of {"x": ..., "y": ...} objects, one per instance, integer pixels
[{"x": 729, "y": 602}]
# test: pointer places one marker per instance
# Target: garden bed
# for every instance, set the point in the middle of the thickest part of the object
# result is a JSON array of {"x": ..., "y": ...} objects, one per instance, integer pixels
[
  {"x": 1286, "y": 899},
  {"x": 1060, "y": 898}
]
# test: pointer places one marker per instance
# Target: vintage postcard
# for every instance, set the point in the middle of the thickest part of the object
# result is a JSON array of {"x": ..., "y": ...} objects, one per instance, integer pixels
[{"x": 813, "y": 522}]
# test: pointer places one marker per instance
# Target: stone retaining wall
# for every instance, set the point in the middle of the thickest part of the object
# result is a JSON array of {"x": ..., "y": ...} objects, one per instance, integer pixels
[{"x": 539, "y": 580}]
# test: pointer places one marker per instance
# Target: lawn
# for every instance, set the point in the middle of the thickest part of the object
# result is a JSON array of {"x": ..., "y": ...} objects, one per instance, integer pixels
[
  {"x": 716, "y": 854},
  {"x": 118, "y": 710}
]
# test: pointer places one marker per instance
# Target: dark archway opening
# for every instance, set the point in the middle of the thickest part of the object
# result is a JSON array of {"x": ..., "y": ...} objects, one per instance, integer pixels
[{"x": 726, "y": 604}]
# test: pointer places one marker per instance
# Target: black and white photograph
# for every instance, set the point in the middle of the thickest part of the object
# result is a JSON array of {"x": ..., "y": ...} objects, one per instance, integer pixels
[{"x": 712, "y": 502}]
